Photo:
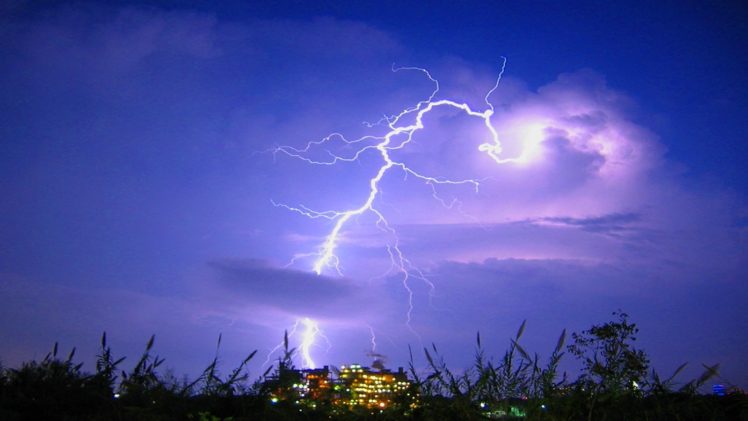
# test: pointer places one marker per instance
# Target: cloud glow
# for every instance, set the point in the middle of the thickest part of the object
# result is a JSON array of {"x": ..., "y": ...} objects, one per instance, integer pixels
[{"x": 137, "y": 196}]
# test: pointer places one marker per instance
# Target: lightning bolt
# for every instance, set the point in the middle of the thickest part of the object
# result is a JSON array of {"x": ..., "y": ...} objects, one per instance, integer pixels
[
  {"x": 399, "y": 135},
  {"x": 291, "y": 333},
  {"x": 309, "y": 336},
  {"x": 373, "y": 339}
]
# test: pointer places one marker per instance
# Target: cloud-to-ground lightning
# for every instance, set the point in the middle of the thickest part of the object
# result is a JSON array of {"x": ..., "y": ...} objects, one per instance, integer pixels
[
  {"x": 309, "y": 335},
  {"x": 398, "y": 137},
  {"x": 373, "y": 338}
]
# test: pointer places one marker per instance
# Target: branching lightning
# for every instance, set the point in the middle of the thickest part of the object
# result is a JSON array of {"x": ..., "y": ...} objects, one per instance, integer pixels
[{"x": 399, "y": 135}]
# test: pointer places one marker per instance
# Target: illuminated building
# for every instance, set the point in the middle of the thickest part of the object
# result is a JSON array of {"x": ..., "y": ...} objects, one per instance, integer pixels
[
  {"x": 317, "y": 383},
  {"x": 359, "y": 386},
  {"x": 309, "y": 386},
  {"x": 355, "y": 387}
]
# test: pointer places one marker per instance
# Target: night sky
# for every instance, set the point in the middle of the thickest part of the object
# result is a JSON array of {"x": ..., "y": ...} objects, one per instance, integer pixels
[{"x": 146, "y": 179}]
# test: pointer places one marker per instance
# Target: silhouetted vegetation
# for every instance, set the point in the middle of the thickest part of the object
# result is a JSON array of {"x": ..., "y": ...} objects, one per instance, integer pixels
[{"x": 616, "y": 383}]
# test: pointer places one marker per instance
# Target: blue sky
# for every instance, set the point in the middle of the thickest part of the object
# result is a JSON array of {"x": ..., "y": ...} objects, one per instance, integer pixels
[{"x": 140, "y": 161}]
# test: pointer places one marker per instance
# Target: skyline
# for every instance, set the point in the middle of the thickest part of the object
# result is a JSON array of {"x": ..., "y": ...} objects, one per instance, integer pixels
[{"x": 145, "y": 165}]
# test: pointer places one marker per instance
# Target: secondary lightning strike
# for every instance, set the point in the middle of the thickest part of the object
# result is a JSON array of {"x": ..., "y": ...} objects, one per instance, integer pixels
[
  {"x": 373, "y": 339},
  {"x": 325, "y": 255},
  {"x": 311, "y": 329},
  {"x": 308, "y": 339}
]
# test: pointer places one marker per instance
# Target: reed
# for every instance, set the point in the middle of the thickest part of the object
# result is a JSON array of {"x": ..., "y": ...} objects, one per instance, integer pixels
[{"x": 615, "y": 384}]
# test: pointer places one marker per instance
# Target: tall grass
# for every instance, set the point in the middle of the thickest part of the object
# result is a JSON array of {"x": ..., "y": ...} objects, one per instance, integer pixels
[{"x": 514, "y": 384}]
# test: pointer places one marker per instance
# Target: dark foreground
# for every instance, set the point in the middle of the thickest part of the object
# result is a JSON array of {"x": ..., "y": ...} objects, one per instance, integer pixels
[{"x": 616, "y": 383}]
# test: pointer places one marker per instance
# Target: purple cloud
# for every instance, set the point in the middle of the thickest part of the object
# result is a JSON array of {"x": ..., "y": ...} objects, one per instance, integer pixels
[{"x": 138, "y": 196}]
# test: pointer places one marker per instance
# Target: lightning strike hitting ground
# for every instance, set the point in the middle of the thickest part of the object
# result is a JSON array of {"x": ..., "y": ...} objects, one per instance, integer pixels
[
  {"x": 397, "y": 138},
  {"x": 373, "y": 339},
  {"x": 308, "y": 338},
  {"x": 311, "y": 329}
]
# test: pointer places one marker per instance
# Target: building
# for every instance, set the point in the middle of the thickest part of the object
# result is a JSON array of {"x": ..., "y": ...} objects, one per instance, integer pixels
[
  {"x": 317, "y": 384},
  {"x": 355, "y": 387},
  {"x": 359, "y": 386},
  {"x": 308, "y": 387}
]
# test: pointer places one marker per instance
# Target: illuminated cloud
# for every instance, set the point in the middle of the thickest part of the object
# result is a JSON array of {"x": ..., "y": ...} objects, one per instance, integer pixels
[{"x": 137, "y": 195}]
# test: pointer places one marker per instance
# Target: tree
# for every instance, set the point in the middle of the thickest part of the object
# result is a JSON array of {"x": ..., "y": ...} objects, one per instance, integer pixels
[{"x": 611, "y": 363}]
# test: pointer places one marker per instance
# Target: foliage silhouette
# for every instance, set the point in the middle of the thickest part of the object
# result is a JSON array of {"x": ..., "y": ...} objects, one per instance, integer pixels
[{"x": 516, "y": 385}]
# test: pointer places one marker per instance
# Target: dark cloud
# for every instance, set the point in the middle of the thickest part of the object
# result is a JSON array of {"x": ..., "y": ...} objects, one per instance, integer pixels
[
  {"x": 324, "y": 37},
  {"x": 97, "y": 47},
  {"x": 38, "y": 314},
  {"x": 129, "y": 160},
  {"x": 597, "y": 238},
  {"x": 289, "y": 290},
  {"x": 614, "y": 224},
  {"x": 497, "y": 294}
]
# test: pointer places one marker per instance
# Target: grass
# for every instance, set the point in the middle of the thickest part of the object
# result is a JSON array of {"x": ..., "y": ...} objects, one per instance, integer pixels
[{"x": 616, "y": 384}]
